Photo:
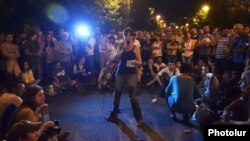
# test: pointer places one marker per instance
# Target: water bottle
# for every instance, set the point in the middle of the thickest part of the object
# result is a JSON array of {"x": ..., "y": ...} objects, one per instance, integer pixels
[{"x": 45, "y": 115}]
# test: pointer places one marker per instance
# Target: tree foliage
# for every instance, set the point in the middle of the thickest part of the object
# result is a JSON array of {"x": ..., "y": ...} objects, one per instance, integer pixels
[
  {"x": 115, "y": 12},
  {"x": 226, "y": 13},
  {"x": 238, "y": 6},
  {"x": 239, "y": 10}
]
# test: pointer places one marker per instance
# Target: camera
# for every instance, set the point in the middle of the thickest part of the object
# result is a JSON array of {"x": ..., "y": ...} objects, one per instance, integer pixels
[{"x": 54, "y": 130}]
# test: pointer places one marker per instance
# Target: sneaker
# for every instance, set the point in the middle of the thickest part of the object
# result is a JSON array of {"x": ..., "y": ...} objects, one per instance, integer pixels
[
  {"x": 140, "y": 123},
  {"x": 154, "y": 100},
  {"x": 63, "y": 136},
  {"x": 112, "y": 118}
]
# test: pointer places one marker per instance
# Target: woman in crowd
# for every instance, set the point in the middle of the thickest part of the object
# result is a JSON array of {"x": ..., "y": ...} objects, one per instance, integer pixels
[
  {"x": 31, "y": 109},
  {"x": 79, "y": 71},
  {"x": 49, "y": 56},
  {"x": 27, "y": 75}
]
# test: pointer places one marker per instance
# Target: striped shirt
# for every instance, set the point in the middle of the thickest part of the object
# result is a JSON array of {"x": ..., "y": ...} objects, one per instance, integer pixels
[{"x": 221, "y": 47}]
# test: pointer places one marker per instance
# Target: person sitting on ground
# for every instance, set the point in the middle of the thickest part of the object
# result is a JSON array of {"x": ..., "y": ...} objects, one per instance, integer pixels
[
  {"x": 159, "y": 65},
  {"x": 105, "y": 76},
  {"x": 211, "y": 93},
  {"x": 10, "y": 100},
  {"x": 61, "y": 80},
  {"x": 80, "y": 72},
  {"x": 205, "y": 69},
  {"x": 27, "y": 75},
  {"x": 11, "y": 96},
  {"x": 181, "y": 93},
  {"x": 164, "y": 74},
  {"x": 208, "y": 105},
  {"x": 163, "y": 77},
  {"x": 238, "y": 111},
  {"x": 197, "y": 70},
  {"x": 32, "y": 110},
  {"x": 151, "y": 68}
]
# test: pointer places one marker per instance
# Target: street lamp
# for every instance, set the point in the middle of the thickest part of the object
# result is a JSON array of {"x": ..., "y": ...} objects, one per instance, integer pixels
[
  {"x": 158, "y": 17},
  {"x": 151, "y": 10},
  {"x": 164, "y": 25},
  {"x": 205, "y": 8}
]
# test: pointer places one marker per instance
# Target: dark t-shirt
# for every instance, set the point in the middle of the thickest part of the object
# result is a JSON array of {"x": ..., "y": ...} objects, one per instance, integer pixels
[
  {"x": 146, "y": 50},
  {"x": 32, "y": 46},
  {"x": 61, "y": 75}
]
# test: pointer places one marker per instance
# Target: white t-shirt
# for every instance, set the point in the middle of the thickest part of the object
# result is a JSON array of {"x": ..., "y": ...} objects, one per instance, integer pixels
[{"x": 137, "y": 43}]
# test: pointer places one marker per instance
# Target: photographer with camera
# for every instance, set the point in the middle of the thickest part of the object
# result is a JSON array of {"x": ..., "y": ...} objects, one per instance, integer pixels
[{"x": 31, "y": 109}]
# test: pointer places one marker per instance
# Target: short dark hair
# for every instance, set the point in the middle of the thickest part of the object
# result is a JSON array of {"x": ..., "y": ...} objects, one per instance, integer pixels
[
  {"x": 128, "y": 31},
  {"x": 185, "y": 68}
]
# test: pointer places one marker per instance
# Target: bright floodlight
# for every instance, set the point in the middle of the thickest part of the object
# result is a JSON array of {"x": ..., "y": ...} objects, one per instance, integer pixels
[{"x": 83, "y": 31}]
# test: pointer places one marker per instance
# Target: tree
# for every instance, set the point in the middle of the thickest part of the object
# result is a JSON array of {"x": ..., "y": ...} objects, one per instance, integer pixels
[
  {"x": 239, "y": 10},
  {"x": 114, "y": 12},
  {"x": 225, "y": 13}
]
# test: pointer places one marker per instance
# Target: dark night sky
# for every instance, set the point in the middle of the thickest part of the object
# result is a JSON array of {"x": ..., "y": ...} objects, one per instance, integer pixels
[{"x": 171, "y": 9}]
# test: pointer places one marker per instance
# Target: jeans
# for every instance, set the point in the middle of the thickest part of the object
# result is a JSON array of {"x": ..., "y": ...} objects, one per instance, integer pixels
[{"x": 131, "y": 82}]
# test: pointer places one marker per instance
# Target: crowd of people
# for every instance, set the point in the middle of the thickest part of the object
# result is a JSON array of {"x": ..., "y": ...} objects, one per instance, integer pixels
[{"x": 199, "y": 72}]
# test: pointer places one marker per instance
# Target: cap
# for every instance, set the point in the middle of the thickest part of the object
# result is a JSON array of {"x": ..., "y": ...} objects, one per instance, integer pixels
[{"x": 20, "y": 129}]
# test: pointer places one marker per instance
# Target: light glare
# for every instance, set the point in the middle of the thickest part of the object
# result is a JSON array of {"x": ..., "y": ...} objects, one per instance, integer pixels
[{"x": 83, "y": 31}]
